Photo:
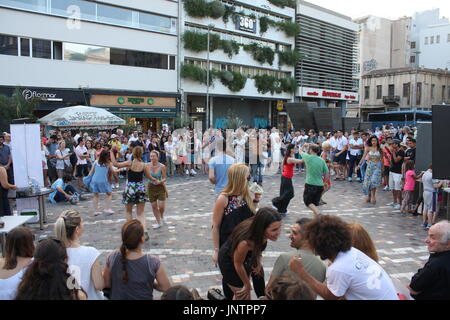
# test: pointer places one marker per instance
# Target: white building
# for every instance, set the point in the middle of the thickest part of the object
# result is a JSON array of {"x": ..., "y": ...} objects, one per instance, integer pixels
[
  {"x": 251, "y": 102},
  {"x": 118, "y": 54},
  {"x": 328, "y": 42}
]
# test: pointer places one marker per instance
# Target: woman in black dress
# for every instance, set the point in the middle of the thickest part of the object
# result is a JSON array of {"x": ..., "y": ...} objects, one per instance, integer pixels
[
  {"x": 241, "y": 254},
  {"x": 5, "y": 210}
]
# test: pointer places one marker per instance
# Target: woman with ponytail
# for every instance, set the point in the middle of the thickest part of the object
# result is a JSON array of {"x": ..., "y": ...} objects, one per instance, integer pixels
[
  {"x": 18, "y": 255},
  {"x": 131, "y": 274},
  {"x": 47, "y": 278},
  {"x": 286, "y": 188},
  {"x": 83, "y": 261}
]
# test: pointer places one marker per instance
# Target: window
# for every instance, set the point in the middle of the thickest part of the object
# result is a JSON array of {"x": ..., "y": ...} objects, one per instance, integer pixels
[
  {"x": 57, "y": 50},
  {"x": 413, "y": 45},
  {"x": 379, "y": 92},
  {"x": 139, "y": 59},
  {"x": 8, "y": 45},
  {"x": 438, "y": 39},
  {"x": 391, "y": 90},
  {"x": 432, "y": 91},
  {"x": 153, "y": 22},
  {"x": 419, "y": 93},
  {"x": 432, "y": 40},
  {"x": 86, "y": 53},
  {"x": 367, "y": 93},
  {"x": 406, "y": 92},
  {"x": 24, "y": 47},
  {"x": 412, "y": 59},
  {"x": 172, "y": 63},
  {"x": 113, "y": 15},
  {"x": 443, "y": 93},
  {"x": 426, "y": 40},
  {"x": 32, "y": 5},
  {"x": 61, "y": 8},
  {"x": 42, "y": 49}
]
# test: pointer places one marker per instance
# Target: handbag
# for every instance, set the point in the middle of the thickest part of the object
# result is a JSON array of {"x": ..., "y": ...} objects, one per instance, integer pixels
[{"x": 215, "y": 294}]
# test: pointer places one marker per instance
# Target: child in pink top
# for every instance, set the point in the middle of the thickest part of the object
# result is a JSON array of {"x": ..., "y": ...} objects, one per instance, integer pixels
[{"x": 408, "y": 189}]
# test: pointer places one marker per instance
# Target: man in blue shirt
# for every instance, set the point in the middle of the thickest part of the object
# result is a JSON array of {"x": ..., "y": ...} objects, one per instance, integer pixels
[
  {"x": 218, "y": 167},
  {"x": 62, "y": 191}
]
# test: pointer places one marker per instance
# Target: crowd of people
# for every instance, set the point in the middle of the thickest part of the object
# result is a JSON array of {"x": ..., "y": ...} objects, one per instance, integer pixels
[{"x": 333, "y": 259}]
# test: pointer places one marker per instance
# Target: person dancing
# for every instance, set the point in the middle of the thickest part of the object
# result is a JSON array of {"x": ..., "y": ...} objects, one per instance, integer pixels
[
  {"x": 156, "y": 188},
  {"x": 372, "y": 176},
  {"x": 286, "y": 188}
]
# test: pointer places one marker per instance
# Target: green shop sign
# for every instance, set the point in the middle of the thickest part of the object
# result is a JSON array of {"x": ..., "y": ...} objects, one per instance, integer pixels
[
  {"x": 150, "y": 101},
  {"x": 121, "y": 100}
]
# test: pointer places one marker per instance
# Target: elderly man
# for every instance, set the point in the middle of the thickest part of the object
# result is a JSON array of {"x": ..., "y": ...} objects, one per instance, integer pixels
[{"x": 432, "y": 282}]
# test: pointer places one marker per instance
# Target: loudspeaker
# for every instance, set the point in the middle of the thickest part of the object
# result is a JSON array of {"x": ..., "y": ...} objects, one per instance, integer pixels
[
  {"x": 441, "y": 142},
  {"x": 328, "y": 119},
  {"x": 301, "y": 114},
  {"x": 423, "y": 146}
]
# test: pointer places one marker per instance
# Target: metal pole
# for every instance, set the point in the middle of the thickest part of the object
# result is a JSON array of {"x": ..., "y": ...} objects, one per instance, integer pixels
[{"x": 207, "y": 84}]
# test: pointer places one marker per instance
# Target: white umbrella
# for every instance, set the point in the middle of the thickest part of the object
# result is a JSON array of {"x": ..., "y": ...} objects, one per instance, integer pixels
[{"x": 82, "y": 117}]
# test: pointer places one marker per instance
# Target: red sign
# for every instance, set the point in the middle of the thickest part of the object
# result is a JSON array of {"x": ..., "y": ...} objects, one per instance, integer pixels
[
  {"x": 331, "y": 94},
  {"x": 350, "y": 97},
  {"x": 312, "y": 93}
]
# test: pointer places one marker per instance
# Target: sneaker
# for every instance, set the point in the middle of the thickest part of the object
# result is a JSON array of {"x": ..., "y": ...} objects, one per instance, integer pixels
[
  {"x": 187, "y": 172},
  {"x": 157, "y": 226},
  {"x": 397, "y": 206},
  {"x": 392, "y": 204},
  {"x": 386, "y": 188},
  {"x": 108, "y": 212},
  {"x": 358, "y": 179},
  {"x": 117, "y": 186},
  {"x": 193, "y": 172},
  {"x": 428, "y": 227},
  {"x": 349, "y": 179},
  {"x": 98, "y": 213}
]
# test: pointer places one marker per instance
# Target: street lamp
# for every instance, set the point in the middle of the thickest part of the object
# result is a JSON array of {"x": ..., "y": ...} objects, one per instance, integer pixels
[{"x": 208, "y": 116}]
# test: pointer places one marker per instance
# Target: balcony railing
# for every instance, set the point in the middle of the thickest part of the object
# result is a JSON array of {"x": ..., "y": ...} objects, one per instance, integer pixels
[{"x": 391, "y": 99}]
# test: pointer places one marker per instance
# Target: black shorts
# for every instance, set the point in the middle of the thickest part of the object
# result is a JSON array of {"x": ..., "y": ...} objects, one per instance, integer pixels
[
  {"x": 82, "y": 170},
  {"x": 312, "y": 194},
  {"x": 340, "y": 159},
  {"x": 386, "y": 171}
]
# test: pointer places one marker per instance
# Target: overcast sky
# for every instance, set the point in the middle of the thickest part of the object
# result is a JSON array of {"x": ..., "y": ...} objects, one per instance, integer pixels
[{"x": 391, "y": 9}]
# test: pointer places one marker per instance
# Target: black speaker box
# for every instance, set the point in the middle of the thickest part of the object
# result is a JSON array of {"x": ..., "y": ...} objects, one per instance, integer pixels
[{"x": 441, "y": 141}]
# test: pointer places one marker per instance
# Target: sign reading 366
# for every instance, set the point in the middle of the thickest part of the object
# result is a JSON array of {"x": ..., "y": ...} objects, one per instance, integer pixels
[{"x": 246, "y": 24}]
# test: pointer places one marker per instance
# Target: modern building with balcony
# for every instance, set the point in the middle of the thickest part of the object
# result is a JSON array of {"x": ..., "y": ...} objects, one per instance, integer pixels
[
  {"x": 251, "y": 60},
  {"x": 328, "y": 71},
  {"x": 116, "y": 54},
  {"x": 403, "y": 89}
]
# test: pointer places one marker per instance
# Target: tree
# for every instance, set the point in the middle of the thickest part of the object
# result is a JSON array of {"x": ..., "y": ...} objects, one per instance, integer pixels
[{"x": 17, "y": 107}]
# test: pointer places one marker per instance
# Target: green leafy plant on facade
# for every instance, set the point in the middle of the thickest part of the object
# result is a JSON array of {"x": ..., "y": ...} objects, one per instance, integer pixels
[
  {"x": 288, "y": 85},
  {"x": 284, "y": 3},
  {"x": 266, "y": 83},
  {"x": 232, "y": 120},
  {"x": 229, "y": 12},
  {"x": 260, "y": 53},
  {"x": 191, "y": 71},
  {"x": 234, "y": 81},
  {"x": 203, "y": 8},
  {"x": 230, "y": 47},
  {"x": 289, "y": 57},
  {"x": 291, "y": 29}
]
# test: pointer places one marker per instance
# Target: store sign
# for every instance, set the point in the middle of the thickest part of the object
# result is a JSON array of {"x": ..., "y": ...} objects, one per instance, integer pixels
[
  {"x": 280, "y": 105},
  {"x": 45, "y": 96},
  {"x": 244, "y": 23},
  {"x": 328, "y": 94},
  {"x": 133, "y": 101},
  {"x": 200, "y": 110}
]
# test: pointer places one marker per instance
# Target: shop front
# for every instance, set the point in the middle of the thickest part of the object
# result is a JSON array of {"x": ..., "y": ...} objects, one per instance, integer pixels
[
  {"x": 50, "y": 98},
  {"x": 148, "y": 111}
]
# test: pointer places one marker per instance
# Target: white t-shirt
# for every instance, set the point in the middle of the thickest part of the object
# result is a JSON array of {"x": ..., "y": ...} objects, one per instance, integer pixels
[
  {"x": 355, "y": 276},
  {"x": 79, "y": 151},
  {"x": 341, "y": 143},
  {"x": 75, "y": 139},
  {"x": 428, "y": 181},
  {"x": 333, "y": 142},
  {"x": 132, "y": 139},
  {"x": 80, "y": 264},
  {"x": 357, "y": 142}
]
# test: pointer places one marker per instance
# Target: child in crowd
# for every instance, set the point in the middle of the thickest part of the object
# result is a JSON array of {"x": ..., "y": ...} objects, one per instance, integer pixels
[
  {"x": 430, "y": 197},
  {"x": 408, "y": 188}
]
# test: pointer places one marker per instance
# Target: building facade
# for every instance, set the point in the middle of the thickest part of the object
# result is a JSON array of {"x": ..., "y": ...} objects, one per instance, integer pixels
[
  {"x": 101, "y": 53},
  {"x": 250, "y": 75},
  {"x": 327, "y": 73},
  {"x": 403, "y": 89}
]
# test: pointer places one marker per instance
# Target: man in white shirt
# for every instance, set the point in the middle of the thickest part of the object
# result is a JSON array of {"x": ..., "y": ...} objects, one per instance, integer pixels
[
  {"x": 352, "y": 274},
  {"x": 82, "y": 169},
  {"x": 133, "y": 138},
  {"x": 356, "y": 146},
  {"x": 341, "y": 145}
]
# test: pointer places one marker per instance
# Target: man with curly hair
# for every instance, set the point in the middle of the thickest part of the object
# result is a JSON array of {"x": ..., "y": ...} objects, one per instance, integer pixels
[{"x": 352, "y": 274}]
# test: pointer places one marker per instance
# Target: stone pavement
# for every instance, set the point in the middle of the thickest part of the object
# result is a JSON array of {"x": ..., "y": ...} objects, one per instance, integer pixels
[{"x": 184, "y": 245}]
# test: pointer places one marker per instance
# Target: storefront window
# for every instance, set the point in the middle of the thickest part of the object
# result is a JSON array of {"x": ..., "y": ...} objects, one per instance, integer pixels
[
  {"x": 42, "y": 49},
  {"x": 32, "y": 5},
  {"x": 8, "y": 45},
  {"x": 86, "y": 53}
]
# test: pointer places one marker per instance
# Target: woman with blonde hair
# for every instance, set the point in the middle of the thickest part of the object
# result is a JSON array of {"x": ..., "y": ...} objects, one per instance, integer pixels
[
  {"x": 233, "y": 205},
  {"x": 156, "y": 188},
  {"x": 84, "y": 262},
  {"x": 134, "y": 193},
  {"x": 361, "y": 240}
]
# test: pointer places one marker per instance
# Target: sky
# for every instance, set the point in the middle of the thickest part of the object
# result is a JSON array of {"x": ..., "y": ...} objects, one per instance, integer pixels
[{"x": 391, "y": 9}]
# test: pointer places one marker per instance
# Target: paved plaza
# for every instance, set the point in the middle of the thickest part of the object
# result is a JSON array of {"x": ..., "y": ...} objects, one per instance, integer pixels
[{"x": 184, "y": 245}]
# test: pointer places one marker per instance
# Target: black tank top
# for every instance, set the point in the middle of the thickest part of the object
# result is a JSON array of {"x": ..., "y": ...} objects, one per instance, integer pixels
[{"x": 134, "y": 176}]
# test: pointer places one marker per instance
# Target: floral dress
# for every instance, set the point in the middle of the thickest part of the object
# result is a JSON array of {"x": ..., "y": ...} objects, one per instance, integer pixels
[{"x": 135, "y": 189}]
